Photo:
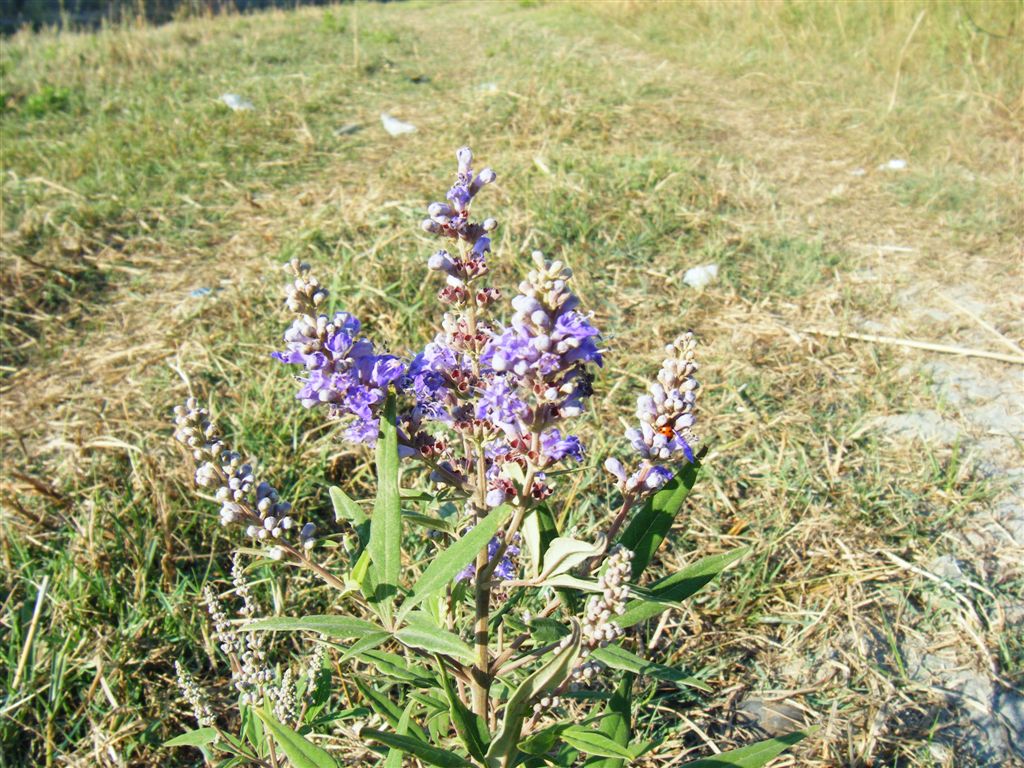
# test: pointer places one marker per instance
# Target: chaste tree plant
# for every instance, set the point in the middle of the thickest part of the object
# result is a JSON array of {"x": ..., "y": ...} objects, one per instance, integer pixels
[{"x": 510, "y": 644}]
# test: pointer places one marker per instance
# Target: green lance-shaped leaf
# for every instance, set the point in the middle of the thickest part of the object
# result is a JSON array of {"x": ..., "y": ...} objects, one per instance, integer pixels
[
  {"x": 548, "y": 677},
  {"x": 301, "y": 752},
  {"x": 619, "y": 658},
  {"x": 447, "y": 564},
  {"x": 564, "y": 554},
  {"x": 471, "y": 727},
  {"x": 385, "y": 545},
  {"x": 197, "y": 738},
  {"x": 428, "y": 522},
  {"x": 428, "y": 754},
  {"x": 538, "y": 531},
  {"x": 421, "y": 632},
  {"x": 346, "y": 508},
  {"x": 651, "y": 524},
  {"x": 678, "y": 587},
  {"x": 595, "y": 743},
  {"x": 382, "y": 704},
  {"x": 617, "y": 723},
  {"x": 394, "y": 758},
  {"x": 543, "y": 741},
  {"x": 398, "y": 668},
  {"x": 753, "y": 756},
  {"x": 338, "y": 627}
]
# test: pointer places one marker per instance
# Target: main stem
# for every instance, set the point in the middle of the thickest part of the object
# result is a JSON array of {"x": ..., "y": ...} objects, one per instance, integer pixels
[{"x": 480, "y": 677}]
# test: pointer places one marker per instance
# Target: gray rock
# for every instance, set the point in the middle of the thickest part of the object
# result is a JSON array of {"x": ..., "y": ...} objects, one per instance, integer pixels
[{"x": 770, "y": 718}]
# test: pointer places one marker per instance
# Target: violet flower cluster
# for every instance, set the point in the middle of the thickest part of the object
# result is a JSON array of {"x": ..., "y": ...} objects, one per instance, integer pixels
[
  {"x": 484, "y": 403},
  {"x": 510, "y": 388},
  {"x": 342, "y": 370},
  {"x": 487, "y": 405}
]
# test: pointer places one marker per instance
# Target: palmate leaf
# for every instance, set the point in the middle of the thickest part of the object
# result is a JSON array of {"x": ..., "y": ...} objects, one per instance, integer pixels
[
  {"x": 385, "y": 545},
  {"x": 654, "y": 519},
  {"x": 753, "y": 756},
  {"x": 678, "y": 587},
  {"x": 447, "y": 564},
  {"x": 563, "y": 554},
  {"x": 394, "y": 758},
  {"x": 301, "y": 752},
  {"x": 538, "y": 531},
  {"x": 428, "y": 754},
  {"x": 346, "y": 508}
]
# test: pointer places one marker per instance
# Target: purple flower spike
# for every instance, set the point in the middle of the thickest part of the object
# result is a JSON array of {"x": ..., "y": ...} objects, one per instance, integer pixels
[{"x": 341, "y": 368}]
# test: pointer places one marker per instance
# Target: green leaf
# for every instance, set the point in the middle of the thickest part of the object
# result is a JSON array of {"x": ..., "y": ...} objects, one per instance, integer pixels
[
  {"x": 545, "y": 630},
  {"x": 394, "y": 758},
  {"x": 471, "y": 727},
  {"x": 426, "y": 521},
  {"x": 678, "y": 587},
  {"x": 753, "y": 756},
  {"x": 432, "y": 755},
  {"x": 653, "y": 521},
  {"x": 617, "y": 657},
  {"x": 364, "y": 644},
  {"x": 548, "y": 677},
  {"x": 447, "y": 564},
  {"x": 385, "y": 545},
  {"x": 616, "y": 726},
  {"x": 301, "y": 752},
  {"x": 197, "y": 738},
  {"x": 421, "y": 632},
  {"x": 398, "y": 668},
  {"x": 543, "y": 741},
  {"x": 380, "y": 703},
  {"x": 340, "y": 627},
  {"x": 564, "y": 554},
  {"x": 346, "y": 508},
  {"x": 594, "y": 743},
  {"x": 538, "y": 530}
]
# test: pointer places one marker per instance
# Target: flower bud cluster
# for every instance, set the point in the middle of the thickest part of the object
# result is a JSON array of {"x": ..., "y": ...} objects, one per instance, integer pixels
[
  {"x": 243, "y": 500},
  {"x": 546, "y": 703},
  {"x": 546, "y": 349},
  {"x": 305, "y": 294},
  {"x": 451, "y": 219},
  {"x": 315, "y": 664},
  {"x": 250, "y": 672},
  {"x": 598, "y": 628},
  {"x": 282, "y": 696},
  {"x": 508, "y": 389},
  {"x": 195, "y": 696},
  {"x": 668, "y": 413}
]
